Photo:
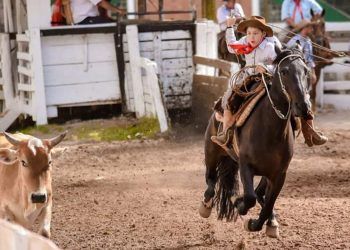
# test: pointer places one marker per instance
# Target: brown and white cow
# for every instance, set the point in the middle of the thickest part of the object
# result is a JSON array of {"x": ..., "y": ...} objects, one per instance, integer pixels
[{"x": 25, "y": 181}]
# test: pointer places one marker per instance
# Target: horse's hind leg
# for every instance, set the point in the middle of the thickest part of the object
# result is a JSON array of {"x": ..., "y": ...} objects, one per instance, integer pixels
[
  {"x": 212, "y": 158},
  {"x": 211, "y": 162},
  {"x": 272, "y": 224},
  {"x": 273, "y": 189}
]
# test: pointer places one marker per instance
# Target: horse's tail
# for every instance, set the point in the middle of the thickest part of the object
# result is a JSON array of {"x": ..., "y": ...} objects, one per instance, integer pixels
[{"x": 227, "y": 187}]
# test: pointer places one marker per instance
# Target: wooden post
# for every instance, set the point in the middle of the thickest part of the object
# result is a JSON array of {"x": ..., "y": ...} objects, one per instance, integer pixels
[
  {"x": 39, "y": 102},
  {"x": 209, "y": 9},
  {"x": 320, "y": 90},
  {"x": 11, "y": 111},
  {"x": 6, "y": 71},
  {"x": 135, "y": 65},
  {"x": 39, "y": 15},
  {"x": 161, "y": 5},
  {"x": 153, "y": 83},
  {"x": 141, "y": 8}
]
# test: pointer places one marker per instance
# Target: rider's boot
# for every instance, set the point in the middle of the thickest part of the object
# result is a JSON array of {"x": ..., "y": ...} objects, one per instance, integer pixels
[
  {"x": 312, "y": 137},
  {"x": 223, "y": 138}
]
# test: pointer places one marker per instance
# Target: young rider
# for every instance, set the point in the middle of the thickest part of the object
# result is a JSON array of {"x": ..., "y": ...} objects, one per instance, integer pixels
[{"x": 259, "y": 50}]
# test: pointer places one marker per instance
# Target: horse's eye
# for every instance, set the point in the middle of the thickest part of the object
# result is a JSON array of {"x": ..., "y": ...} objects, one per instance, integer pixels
[
  {"x": 24, "y": 164},
  {"x": 50, "y": 162},
  {"x": 284, "y": 71}
]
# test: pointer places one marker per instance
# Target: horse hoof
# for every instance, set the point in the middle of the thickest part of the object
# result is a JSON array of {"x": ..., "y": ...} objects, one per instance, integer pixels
[
  {"x": 272, "y": 232},
  {"x": 204, "y": 211},
  {"x": 246, "y": 225}
]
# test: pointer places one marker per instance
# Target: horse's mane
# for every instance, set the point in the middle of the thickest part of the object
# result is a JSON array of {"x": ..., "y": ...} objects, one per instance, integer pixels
[{"x": 286, "y": 52}]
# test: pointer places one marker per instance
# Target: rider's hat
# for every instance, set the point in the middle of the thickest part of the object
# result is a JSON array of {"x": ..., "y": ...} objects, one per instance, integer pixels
[{"x": 256, "y": 22}]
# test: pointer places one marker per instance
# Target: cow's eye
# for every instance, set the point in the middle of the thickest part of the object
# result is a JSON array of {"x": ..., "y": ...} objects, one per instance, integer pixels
[
  {"x": 50, "y": 163},
  {"x": 24, "y": 164}
]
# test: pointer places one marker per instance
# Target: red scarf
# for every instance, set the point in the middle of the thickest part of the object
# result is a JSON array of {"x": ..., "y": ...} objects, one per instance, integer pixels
[
  {"x": 297, "y": 8},
  {"x": 243, "y": 49}
]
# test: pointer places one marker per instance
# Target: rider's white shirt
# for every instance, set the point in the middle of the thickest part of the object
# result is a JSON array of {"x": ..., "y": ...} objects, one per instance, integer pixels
[{"x": 263, "y": 55}]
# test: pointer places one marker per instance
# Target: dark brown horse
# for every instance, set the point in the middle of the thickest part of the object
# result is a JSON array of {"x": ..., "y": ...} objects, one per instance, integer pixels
[
  {"x": 265, "y": 144},
  {"x": 320, "y": 38}
]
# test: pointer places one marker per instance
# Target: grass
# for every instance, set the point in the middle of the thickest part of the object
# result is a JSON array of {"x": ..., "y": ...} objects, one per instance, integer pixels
[
  {"x": 136, "y": 129},
  {"x": 144, "y": 128}
]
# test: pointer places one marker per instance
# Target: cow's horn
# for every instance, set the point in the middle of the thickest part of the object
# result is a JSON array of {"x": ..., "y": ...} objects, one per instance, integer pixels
[
  {"x": 54, "y": 141},
  {"x": 11, "y": 139}
]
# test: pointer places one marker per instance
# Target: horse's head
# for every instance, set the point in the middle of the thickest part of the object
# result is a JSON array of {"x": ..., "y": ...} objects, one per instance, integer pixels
[
  {"x": 291, "y": 74},
  {"x": 319, "y": 36}
]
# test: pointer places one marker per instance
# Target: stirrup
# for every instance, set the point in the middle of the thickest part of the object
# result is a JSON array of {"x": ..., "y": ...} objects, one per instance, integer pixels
[{"x": 223, "y": 142}]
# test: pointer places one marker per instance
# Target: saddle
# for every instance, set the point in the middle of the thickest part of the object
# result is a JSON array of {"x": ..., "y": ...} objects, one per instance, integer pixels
[{"x": 242, "y": 101}]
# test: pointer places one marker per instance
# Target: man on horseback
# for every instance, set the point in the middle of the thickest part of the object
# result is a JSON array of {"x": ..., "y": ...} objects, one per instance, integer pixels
[
  {"x": 229, "y": 8},
  {"x": 305, "y": 28},
  {"x": 259, "y": 51},
  {"x": 294, "y": 11}
]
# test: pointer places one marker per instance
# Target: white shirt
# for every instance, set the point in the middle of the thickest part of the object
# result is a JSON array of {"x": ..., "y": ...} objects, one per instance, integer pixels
[
  {"x": 82, "y": 9},
  {"x": 263, "y": 55},
  {"x": 223, "y": 12}
]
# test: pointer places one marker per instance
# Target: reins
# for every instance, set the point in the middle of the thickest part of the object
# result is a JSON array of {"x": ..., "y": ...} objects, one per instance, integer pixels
[{"x": 237, "y": 88}]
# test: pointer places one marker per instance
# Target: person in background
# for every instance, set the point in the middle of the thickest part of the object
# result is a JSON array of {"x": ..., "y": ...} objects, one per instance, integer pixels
[
  {"x": 294, "y": 11},
  {"x": 229, "y": 8},
  {"x": 86, "y": 11},
  {"x": 304, "y": 29}
]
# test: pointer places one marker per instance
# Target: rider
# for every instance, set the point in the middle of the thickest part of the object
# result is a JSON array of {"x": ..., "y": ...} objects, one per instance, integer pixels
[
  {"x": 259, "y": 51},
  {"x": 294, "y": 11},
  {"x": 229, "y": 8},
  {"x": 305, "y": 28}
]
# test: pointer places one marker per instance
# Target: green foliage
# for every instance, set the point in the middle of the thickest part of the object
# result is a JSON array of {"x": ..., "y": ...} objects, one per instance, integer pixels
[
  {"x": 97, "y": 131},
  {"x": 144, "y": 128}
]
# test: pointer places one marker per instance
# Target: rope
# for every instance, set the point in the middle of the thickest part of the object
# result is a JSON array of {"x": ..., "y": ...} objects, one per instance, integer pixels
[{"x": 340, "y": 54}]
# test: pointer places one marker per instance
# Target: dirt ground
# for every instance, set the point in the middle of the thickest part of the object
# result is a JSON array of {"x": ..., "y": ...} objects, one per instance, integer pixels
[{"x": 145, "y": 195}]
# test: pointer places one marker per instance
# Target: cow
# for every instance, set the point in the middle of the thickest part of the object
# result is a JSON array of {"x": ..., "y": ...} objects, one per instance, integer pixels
[{"x": 25, "y": 181}]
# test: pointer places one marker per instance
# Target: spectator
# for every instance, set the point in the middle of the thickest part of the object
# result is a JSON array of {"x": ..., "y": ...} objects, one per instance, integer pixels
[{"x": 86, "y": 11}]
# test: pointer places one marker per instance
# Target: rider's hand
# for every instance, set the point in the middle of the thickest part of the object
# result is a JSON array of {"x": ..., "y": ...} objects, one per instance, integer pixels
[
  {"x": 260, "y": 69},
  {"x": 230, "y": 21}
]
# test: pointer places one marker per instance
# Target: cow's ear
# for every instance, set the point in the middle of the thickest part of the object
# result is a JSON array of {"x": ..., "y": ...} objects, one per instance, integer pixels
[
  {"x": 7, "y": 155},
  {"x": 56, "y": 140}
]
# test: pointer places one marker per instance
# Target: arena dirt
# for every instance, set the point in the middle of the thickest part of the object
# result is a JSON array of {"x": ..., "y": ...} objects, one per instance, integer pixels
[{"x": 145, "y": 195}]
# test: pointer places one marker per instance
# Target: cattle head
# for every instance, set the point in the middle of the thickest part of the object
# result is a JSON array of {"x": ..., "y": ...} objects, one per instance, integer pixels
[{"x": 34, "y": 160}]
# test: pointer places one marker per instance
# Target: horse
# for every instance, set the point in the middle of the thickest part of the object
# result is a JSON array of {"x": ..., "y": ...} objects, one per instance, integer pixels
[
  {"x": 320, "y": 38},
  {"x": 265, "y": 143}
]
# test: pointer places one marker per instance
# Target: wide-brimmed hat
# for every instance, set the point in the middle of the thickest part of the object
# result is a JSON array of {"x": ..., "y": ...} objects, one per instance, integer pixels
[
  {"x": 303, "y": 24},
  {"x": 256, "y": 22}
]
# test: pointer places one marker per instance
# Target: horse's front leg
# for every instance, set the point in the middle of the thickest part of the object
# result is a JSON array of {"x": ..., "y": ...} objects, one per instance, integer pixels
[
  {"x": 273, "y": 189},
  {"x": 272, "y": 224},
  {"x": 248, "y": 200}
]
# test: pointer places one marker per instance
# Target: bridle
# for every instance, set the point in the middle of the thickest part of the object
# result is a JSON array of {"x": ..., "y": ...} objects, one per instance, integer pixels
[{"x": 284, "y": 91}]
